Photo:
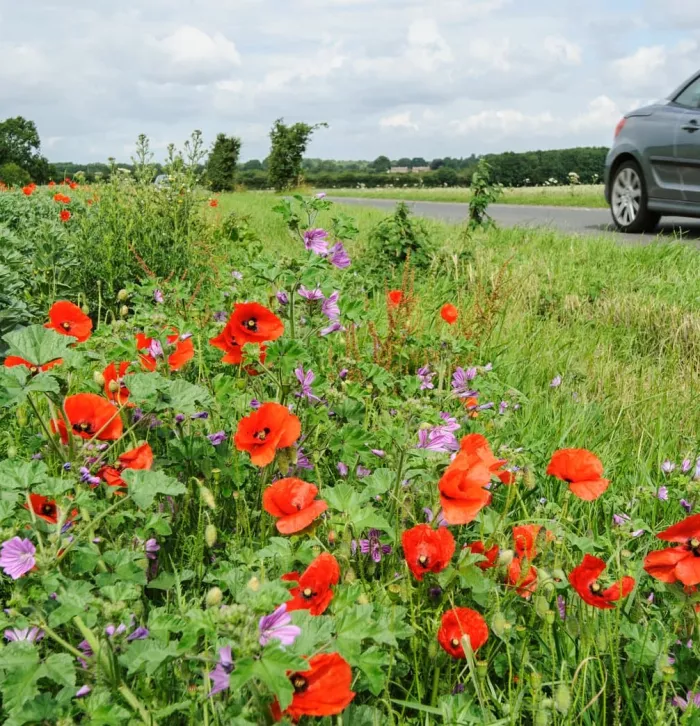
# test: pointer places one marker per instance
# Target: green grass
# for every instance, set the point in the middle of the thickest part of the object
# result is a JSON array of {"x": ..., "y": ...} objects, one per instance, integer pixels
[{"x": 574, "y": 196}]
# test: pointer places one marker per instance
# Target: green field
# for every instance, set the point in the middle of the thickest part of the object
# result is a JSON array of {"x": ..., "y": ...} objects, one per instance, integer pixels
[{"x": 575, "y": 196}]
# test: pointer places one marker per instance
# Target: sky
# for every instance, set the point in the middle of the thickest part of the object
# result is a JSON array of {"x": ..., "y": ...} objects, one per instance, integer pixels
[{"x": 428, "y": 78}]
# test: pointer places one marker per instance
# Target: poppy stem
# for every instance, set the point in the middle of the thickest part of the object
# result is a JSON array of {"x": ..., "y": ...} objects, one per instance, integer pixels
[
  {"x": 51, "y": 439},
  {"x": 291, "y": 313}
]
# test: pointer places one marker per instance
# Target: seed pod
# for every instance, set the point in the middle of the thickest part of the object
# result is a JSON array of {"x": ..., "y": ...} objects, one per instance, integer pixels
[
  {"x": 549, "y": 617},
  {"x": 123, "y": 311},
  {"x": 216, "y": 474},
  {"x": 210, "y": 535},
  {"x": 99, "y": 378},
  {"x": 207, "y": 497},
  {"x": 505, "y": 557},
  {"x": 122, "y": 295},
  {"x": 562, "y": 698},
  {"x": 482, "y": 669},
  {"x": 214, "y": 597},
  {"x": 113, "y": 386}
]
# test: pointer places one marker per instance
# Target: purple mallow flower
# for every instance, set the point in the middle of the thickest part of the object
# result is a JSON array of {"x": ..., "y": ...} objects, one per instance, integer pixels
[
  {"x": 425, "y": 376},
  {"x": 303, "y": 460},
  {"x": 620, "y": 519},
  {"x": 662, "y": 494},
  {"x": 221, "y": 675},
  {"x": 320, "y": 195},
  {"x": 155, "y": 348},
  {"x": 461, "y": 380},
  {"x": 86, "y": 476},
  {"x": 179, "y": 418},
  {"x": 310, "y": 295},
  {"x": 561, "y": 606},
  {"x": 439, "y": 518},
  {"x": 316, "y": 241},
  {"x": 139, "y": 633},
  {"x": 31, "y": 635},
  {"x": 502, "y": 407},
  {"x": 378, "y": 452},
  {"x": 342, "y": 468},
  {"x": 152, "y": 547},
  {"x": 82, "y": 691},
  {"x": 334, "y": 327},
  {"x": 17, "y": 557},
  {"x": 691, "y": 699},
  {"x": 255, "y": 404},
  {"x": 67, "y": 466},
  {"x": 329, "y": 307},
  {"x": 236, "y": 275},
  {"x": 220, "y": 316},
  {"x": 339, "y": 257},
  {"x": 686, "y": 505},
  {"x": 362, "y": 471},
  {"x": 555, "y": 382},
  {"x": 305, "y": 378},
  {"x": 372, "y": 546},
  {"x": 343, "y": 374},
  {"x": 200, "y": 414},
  {"x": 277, "y": 626},
  {"x": 158, "y": 296},
  {"x": 282, "y": 297},
  {"x": 667, "y": 467},
  {"x": 217, "y": 438},
  {"x": 685, "y": 465}
]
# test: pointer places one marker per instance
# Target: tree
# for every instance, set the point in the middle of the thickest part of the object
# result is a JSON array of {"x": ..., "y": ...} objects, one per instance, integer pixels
[
  {"x": 252, "y": 165},
  {"x": 404, "y": 161},
  {"x": 418, "y": 161},
  {"x": 19, "y": 144},
  {"x": 14, "y": 175},
  {"x": 435, "y": 164},
  {"x": 222, "y": 163},
  {"x": 287, "y": 151},
  {"x": 381, "y": 164}
]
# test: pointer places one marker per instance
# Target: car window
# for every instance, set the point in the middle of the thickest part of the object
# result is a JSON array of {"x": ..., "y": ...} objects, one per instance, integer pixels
[{"x": 690, "y": 95}]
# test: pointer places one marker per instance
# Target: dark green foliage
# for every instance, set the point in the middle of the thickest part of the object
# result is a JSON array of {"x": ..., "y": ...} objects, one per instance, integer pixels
[
  {"x": 399, "y": 235},
  {"x": 288, "y": 147},
  {"x": 222, "y": 163},
  {"x": 19, "y": 144},
  {"x": 484, "y": 192},
  {"x": 14, "y": 175},
  {"x": 380, "y": 164}
]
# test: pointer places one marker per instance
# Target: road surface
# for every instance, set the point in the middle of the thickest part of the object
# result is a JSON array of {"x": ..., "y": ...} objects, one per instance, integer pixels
[{"x": 576, "y": 220}]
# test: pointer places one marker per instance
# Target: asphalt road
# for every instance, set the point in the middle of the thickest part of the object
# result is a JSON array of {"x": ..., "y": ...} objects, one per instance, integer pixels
[{"x": 576, "y": 220}]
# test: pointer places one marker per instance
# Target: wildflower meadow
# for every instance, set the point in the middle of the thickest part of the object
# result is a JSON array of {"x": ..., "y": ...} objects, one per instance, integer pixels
[{"x": 262, "y": 461}]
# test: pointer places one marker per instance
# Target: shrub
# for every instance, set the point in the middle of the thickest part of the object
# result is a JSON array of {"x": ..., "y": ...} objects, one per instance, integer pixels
[
  {"x": 14, "y": 175},
  {"x": 399, "y": 236}
]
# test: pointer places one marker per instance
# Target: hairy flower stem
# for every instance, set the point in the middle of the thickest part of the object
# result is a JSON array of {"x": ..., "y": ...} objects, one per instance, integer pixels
[{"x": 51, "y": 439}]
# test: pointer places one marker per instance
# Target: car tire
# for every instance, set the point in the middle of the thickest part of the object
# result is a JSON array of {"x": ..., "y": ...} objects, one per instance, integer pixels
[{"x": 629, "y": 201}]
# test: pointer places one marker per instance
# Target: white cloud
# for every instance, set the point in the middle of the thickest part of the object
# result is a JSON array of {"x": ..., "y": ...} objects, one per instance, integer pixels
[
  {"x": 398, "y": 121},
  {"x": 506, "y": 122},
  {"x": 562, "y": 50},
  {"x": 634, "y": 70},
  {"x": 602, "y": 114}
]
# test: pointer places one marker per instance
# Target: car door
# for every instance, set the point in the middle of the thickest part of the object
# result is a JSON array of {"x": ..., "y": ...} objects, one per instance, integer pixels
[{"x": 687, "y": 153}]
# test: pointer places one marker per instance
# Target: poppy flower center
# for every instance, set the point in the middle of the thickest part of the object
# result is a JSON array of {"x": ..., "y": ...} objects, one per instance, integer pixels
[
  {"x": 262, "y": 435},
  {"x": 454, "y": 643},
  {"x": 83, "y": 427},
  {"x": 48, "y": 509},
  {"x": 251, "y": 324},
  {"x": 33, "y": 369},
  {"x": 65, "y": 325},
  {"x": 307, "y": 592},
  {"x": 694, "y": 545},
  {"x": 596, "y": 587},
  {"x": 423, "y": 560},
  {"x": 299, "y": 682}
]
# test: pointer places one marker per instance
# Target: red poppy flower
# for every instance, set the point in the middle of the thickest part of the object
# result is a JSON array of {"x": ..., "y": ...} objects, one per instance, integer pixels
[
  {"x": 254, "y": 323},
  {"x": 491, "y": 555},
  {"x": 457, "y": 623},
  {"x": 525, "y": 538},
  {"x": 226, "y": 341},
  {"x": 52, "y": 184},
  {"x": 449, "y": 313},
  {"x": 524, "y": 583},
  {"x": 28, "y": 190},
  {"x": 581, "y": 470},
  {"x": 73, "y": 185},
  {"x": 294, "y": 502},
  {"x": 395, "y": 297},
  {"x": 13, "y": 360},
  {"x": 313, "y": 591},
  {"x": 678, "y": 563},
  {"x": 43, "y": 507},
  {"x": 584, "y": 579},
  {"x": 269, "y": 428},
  {"x": 427, "y": 549},
  {"x": 68, "y": 319},
  {"x": 115, "y": 387},
  {"x": 477, "y": 445},
  {"x": 90, "y": 416},
  {"x": 64, "y": 215},
  {"x": 183, "y": 353},
  {"x": 139, "y": 458},
  {"x": 462, "y": 490},
  {"x": 321, "y": 690},
  {"x": 213, "y": 202},
  {"x": 61, "y": 198}
]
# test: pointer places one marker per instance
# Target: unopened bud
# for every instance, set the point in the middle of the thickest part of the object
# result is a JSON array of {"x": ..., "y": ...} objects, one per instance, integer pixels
[
  {"x": 216, "y": 474},
  {"x": 214, "y": 597},
  {"x": 562, "y": 698},
  {"x": 253, "y": 584},
  {"x": 505, "y": 557},
  {"x": 99, "y": 378},
  {"x": 432, "y": 650},
  {"x": 11, "y": 452},
  {"x": 529, "y": 478},
  {"x": 113, "y": 386},
  {"x": 210, "y": 535},
  {"x": 21, "y": 415},
  {"x": 123, "y": 311},
  {"x": 549, "y": 617},
  {"x": 667, "y": 673},
  {"x": 482, "y": 669},
  {"x": 541, "y": 605},
  {"x": 122, "y": 295},
  {"x": 207, "y": 497},
  {"x": 499, "y": 624},
  {"x": 363, "y": 599},
  {"x": 85, "y": 308},
  {"x": 349, "y": 576}
]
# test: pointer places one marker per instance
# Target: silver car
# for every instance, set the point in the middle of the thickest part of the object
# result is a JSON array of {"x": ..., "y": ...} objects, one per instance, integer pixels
[{"x": 653, "y": 167}]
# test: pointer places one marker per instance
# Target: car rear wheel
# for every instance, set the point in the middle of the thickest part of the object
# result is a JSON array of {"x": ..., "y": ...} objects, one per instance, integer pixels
[{"x": 628, "y": 200}]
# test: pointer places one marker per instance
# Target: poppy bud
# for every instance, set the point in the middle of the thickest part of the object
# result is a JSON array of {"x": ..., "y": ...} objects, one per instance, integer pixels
[
  {"x": 207, "y": 497},
  {"x": 482, "y": 669},
  {"x": 122, "y": 295},
  {"x": 85, "y": 308},
  {"x": 253, "y": 584},
  {"x": 216, "y": 474},
  {"x": 549, "y": 617},
  {"x": 11, "y": 452},
  {"x": 529, "y": 478},
  {"x": 536, "y": 680},
  {"x": 99, "y": 378},
  {"x": 668, "y": 673},
  {"x": 499, "y": 624},
  {"x": 113, "y": 386},
  {"x": 542, "y": 715},
  {"x": 349, "y": 576},
  {"x": 214, "y": 597},
  {"x": 562, "y": 698},
  {"x": 505, "y": 557},
  {"x": 210, "y": 535},
  {"x": 363, "y": 599},
  {"x": 21, "y": 415},
  {"x": 123, "y": 311},
  {"x": 573, "y": 628},
  {"x": 432, "y": 650},
  {"x": 541, "y": 605}
]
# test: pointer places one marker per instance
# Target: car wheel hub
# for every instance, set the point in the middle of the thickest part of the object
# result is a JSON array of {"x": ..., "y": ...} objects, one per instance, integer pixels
[{"x": 627, "y": 196}]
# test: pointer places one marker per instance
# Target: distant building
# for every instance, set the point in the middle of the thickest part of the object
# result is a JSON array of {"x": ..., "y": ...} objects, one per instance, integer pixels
[
  {"x": 399, "y": 170},
  {"x": 419, "y": 169}
]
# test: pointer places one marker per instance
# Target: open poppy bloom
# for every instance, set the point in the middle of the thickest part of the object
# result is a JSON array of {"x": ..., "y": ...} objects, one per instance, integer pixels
[
  {"x": 427, "y": 549},
  {"x": 269, "y": 428},
  {"x": 227, "y": 342},
  {"x": 183, "y": 353},
  {"x": 321, "y": 690},
  {"x": 477, "y": 445},
  {"x": 68, "y": 319},
  {"x": 457, "y": 623},
  {"x": 43, "y": 507},
  {"x": 13, "y": 360},
  {"x": 678, "y": 563},
  {"x": 462, "y": 490},
  {"x": 139, "y": 458},
  {"x": 525, "y": 583},
  {"x": 254, "y": 323},
  {"x": 313, "y": 591},
  {"x": 65, "y": 215},
  {"x": 294, "y": 502},
  {"x": 584, "y": 579},
  {"x": 581, "y": 470},
  {"x": 449, "y": 313},
  {"x": 89, "y": 416},
  {"x": 525, "y": 539},
  {"x": 115, "y": 388},
  {"x": 394, "y": 298},
  {"x": 491, "y": 554}
]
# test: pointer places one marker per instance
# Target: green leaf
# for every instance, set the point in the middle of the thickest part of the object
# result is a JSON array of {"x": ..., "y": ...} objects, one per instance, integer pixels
[
  {"x": 42, "y": 709},
  {"x": 12, "y": 382},
  {"x": 38, "y": 345},
  {"x": 316, "y": 631},
  {"x": 186, "y": 397},
  {"x": 109, "y": 715},
  {"x": 23, "y": 475},
  {"x": 22, "y": 671},
  {"x": 373, "y": 663},
  {"x": 145, "y": 485},
  {"x": 166, "y": 580},
  {"x": 272, "y": 669},
  {"x": 242, "y": 673},
  {"x": 147, "y": 654},
  {"x": 147, "y": 388},
  {"x": 368, "y": 518},
  {"x": 343, "y": 498},
  {"x": 379, "y": 482},
  {"x": 60, "y": 669},
  {"x": 74, "y": 600},
  {"x": 54, "y": 486}
]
